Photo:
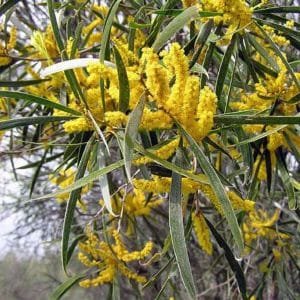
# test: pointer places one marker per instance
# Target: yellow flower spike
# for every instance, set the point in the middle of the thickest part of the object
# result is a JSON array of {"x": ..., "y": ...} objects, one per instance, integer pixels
[
  {"x": 89, "y": 28},
  {"x": 157, "y": 77},
  {"x": 111, "y": 260},
  {"x": 202, "y": 232},
  {"x": 189, "y": 3},
  {"x": 132, "y": 275},
  {"x": 136, "y": 203},
  {"x": 78, "y": 125},
  {"x": 137, "y": 255},
  {"x": 44, "y": 43},
  {"x": 12, "y": 38},
  {"x": 261, "y": 173},
  {"x": 190, "y": 101},
  {"x": 128, "y": 57},
  {"x": 100, "y": 9},
  {"x": 177, "y": 62},
  {"x": 189, "y": 186},
  {"x": 157, "y": 185},
  {"x": 275, "y": 140},
  {"x": 290, "y": 24},
  {"x": 278, "y": 39},
  {"x": 4, "y": 49},
  {"x": 259, "y": 224},
  {"x": 115, "y": 118},
  {"x": 157, "y": 119},
  {"x": 65, "y": 178},
  {"x": 235, "y": 14},
  {"x": 205, "y": 111},
  {"x": 164, "y": 152},
  {"x": 105, "y": 276},
  {"x": 238, "y": 203},
  {"x": 277, "y": 254}
]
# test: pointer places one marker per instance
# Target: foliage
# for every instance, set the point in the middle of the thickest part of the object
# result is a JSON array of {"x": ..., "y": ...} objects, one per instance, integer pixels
[{"x": 171, "y": 132}]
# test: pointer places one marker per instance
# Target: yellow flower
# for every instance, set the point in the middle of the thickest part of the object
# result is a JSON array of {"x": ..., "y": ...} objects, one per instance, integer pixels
[
  {"x": 183, "y": 101},
  {"x": 157, "y": 77},
  {"x": 78, "y": 125},
  {"x": 261, "y": 173},
  {"x": 115, "y": 118},
  {"x": 259, "y": 224},
  {"x": 235, "y": 14},
  {"x": 278, "y": 39},
  {"x": 110, "y": 259},
  {"x": 4, "y": 49},
  {"x": 189, "y": 3},
  {"x": 45, "y": 44},
  {"x": 156, "y": 119},
  {"x": 238, "y": 203},
  {"x": 189, "y": 186},
  {"x": 135, "y": 203},
  {"x": 275, "y": 140},
  {"x": 277, "y": 254},
  {"x": 66, "y": 178},
  {"x": 290, "y": 23},
  {"x": 205, "y": 111},
  {"x": 178, "y": 65},
  {"x": 202, "y": 232},
  {"x": 163, "y": 152}
]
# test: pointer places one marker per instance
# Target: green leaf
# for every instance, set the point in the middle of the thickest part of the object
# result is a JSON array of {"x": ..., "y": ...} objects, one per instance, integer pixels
[
  {"x": 4, "y": 125},
  {"x": 131, "y": 132},
  {"x": 292, "y": 145},
  {"x": 37, "y": 172},
  {"x": 177, "y": 231},
  {"x": 54, "y": 25},
  {"x": 83, "y": 181},
  {"x": 71, "y": 204},
  {"x": 73, "y": 246},
  {"x": 234, "y": 265},
  {"x": 65, "y": 286},
  {"x": 262, "y": 51},
  {"x": 200, "y": 41},
  {"x": 20, "y": 83},
  {"x": 104, "y": 185},
  {"x": 170, "y": 166},
  {"x": 260, "y": 136},
  {"x": 176, "y": 12},
  {"x": 124, "y": 90},
  {"x": 286, "y": 180},
  {"x": 115, "y": 293},
  {"x": 218, "y": 188},
  {"x": 176, "y": 24},
  {"x": 294, "y": 100},
  {"x": 134, "y": 25},
  {"x": 7, "y": 5},
  {"x": 107, "y": 27},
  {"x": 294, "y": 64},
  {"x": 38, "y": 100},
  {"x": 168, "y": 12},
  {"x": 223, "y": 70},
  {"x": 36, "y": 163},
  {"x": 278, "y": 9},
  {"x": 287, "y": 31},
  {"x": 267, "y": 120},
  {"x": 70, "y": 75}
]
